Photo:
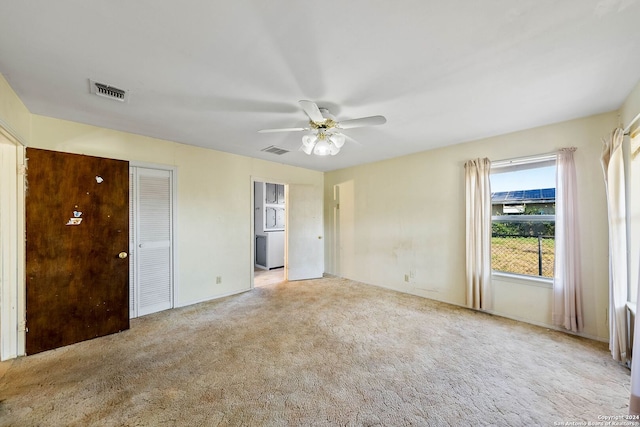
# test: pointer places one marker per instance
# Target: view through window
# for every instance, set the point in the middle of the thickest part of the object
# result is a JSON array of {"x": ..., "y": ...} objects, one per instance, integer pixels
[{"x": 523, "y": 199}]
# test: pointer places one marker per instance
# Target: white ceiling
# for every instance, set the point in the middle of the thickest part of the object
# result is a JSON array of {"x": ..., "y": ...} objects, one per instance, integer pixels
[{"x": 211, "y": 73}]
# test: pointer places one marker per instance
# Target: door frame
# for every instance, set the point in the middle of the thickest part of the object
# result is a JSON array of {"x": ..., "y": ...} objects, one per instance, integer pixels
[
  {"x": 174, "y": 221},
  {"x": 12, "y": 290},
  {"x": 252, "y": 230}
]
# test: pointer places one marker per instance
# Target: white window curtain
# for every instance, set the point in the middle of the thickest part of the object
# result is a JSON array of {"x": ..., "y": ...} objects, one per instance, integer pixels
[
  {"x": 613, "y": 168},
  {"x": 634, "y": 401},
  {"x": 478, "y": 233},
  {"x": 567, "y": 281}
]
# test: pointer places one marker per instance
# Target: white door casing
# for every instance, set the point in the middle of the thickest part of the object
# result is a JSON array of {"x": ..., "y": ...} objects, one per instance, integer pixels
[
  {"x": 12, "y": 297},
  {"x": 8, "y": 249}
]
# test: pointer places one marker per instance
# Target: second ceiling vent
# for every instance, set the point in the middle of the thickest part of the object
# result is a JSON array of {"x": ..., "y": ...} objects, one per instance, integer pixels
[
  {"x": 275, "y": 150},
  {"x": 108, "y": 91}
]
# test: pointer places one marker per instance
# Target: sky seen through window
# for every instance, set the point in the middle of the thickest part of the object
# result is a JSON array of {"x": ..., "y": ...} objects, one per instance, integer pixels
[{"x": 529, "y": 179}]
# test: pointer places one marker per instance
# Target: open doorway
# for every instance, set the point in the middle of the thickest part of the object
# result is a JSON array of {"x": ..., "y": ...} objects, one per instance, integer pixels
[
  {"x": 269, "y": 232},
  {"x": 301, "y": 225}
]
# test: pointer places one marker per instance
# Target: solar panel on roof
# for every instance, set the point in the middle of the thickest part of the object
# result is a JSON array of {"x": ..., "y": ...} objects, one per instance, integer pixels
[
  {"x": 521, "y": 195},
  {"x": 549, "y": 193},
  {"x": 515, "y": 195},
  {"x": 532, "y": 194}
]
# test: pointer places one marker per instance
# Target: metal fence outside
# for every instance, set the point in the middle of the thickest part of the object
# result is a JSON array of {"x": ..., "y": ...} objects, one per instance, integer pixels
[{"x": 518, "y": 254}]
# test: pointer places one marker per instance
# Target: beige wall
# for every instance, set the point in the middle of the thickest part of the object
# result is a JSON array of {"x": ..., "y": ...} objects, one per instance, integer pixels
[
  {"x": 405, "y": 216},
  {"x": 214, "y": 199},
  {"x": 14, "y": 116}
]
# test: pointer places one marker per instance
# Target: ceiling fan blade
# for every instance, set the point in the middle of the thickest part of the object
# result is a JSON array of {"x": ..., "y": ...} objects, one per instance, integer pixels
[
  {"x": 283, "y": 130},
  {"x": 350, "y": 139},
  {"x": 361, "y": 122},
  {"x": 312, "y": 111}
]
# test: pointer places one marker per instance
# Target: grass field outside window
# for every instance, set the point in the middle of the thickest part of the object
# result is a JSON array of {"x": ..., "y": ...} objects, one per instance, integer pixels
[{"x": 520, "y": 255}]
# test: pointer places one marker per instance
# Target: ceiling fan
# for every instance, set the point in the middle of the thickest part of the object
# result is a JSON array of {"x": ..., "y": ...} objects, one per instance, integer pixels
[{"x": 325, "y": 135}]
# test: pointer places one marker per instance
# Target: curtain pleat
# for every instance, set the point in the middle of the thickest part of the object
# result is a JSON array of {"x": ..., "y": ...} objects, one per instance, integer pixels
[
  {"x": 634, "y": 401},
  {"x": 614, "y": 177},
  {"x": 478, "y": 233},
  {"x": 567, "y": 282}
]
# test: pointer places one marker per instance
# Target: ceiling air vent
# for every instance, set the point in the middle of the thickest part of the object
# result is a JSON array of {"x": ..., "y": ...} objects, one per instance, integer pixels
[
  {"x": 275, "y": 150},
  {"x": 108, "y": 91}
]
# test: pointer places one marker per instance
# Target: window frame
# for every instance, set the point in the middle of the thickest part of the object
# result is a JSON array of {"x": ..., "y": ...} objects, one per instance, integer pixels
[{"x": 513, "y": 165}]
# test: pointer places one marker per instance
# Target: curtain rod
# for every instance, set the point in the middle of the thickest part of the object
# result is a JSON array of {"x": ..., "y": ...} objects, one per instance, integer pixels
[{"x": 628, "y": 128}]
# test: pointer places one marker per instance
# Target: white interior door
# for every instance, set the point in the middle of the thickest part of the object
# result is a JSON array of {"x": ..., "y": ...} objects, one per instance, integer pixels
[
  {"x": 304, "y": 231},
  {"x": 151, "y": 241}
]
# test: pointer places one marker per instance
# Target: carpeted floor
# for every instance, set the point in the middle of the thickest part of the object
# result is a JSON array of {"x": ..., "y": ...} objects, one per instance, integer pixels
[{"x": 322, "y": 352}]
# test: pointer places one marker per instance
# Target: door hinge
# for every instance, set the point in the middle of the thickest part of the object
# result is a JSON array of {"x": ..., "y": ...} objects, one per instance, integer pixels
[
  {"x": 22, "y": 326},
  {"x": 21, "y": 169}
]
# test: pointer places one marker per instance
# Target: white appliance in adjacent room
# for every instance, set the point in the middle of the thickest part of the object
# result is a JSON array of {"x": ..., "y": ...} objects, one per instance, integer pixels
[{"x": 269, "y": 225}]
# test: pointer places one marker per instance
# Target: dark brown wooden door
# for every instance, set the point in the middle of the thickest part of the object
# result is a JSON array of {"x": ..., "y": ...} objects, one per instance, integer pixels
[{"x": 77, "y": 225}]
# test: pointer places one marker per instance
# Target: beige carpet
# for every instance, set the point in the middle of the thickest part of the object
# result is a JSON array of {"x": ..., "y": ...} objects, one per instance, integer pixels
[{"x": 324, "y": 352}]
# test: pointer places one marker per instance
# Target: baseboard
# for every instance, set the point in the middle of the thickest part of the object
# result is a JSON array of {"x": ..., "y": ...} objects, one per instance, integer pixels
[
  {"x": 544, "y": 325},
  {"x": 215, "y": 297}
]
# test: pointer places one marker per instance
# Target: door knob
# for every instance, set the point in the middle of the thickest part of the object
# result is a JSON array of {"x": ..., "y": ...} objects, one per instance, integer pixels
[{"x": 122, "y": 255}]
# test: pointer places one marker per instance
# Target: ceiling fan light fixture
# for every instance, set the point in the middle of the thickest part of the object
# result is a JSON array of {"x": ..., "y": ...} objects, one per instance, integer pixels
[
  {"x": 338, "y": 140},
  {"x": 322, "y": 144},
  {"x": 309, "y": 140},
  {"x": 322, "y": 148},
  {"x": 325, "y": 137},
  {"x": 307, "y": 149}
]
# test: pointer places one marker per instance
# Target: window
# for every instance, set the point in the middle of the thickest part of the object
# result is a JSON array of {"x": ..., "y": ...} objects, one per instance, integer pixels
[{"x": 523, "y": 199}]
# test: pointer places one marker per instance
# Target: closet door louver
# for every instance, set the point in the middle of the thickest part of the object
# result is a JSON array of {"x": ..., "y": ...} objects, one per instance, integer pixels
[{"x": 154, "y": 241}]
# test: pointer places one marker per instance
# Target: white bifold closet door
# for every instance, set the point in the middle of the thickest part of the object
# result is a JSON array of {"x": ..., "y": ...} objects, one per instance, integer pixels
[{"x": 151, "y": 240}]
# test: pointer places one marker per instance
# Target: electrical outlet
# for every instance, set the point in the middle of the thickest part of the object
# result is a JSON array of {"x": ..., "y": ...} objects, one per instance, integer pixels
[
  {"x": 218, "y": 280},
  {"x": 406, "y": 278}
]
